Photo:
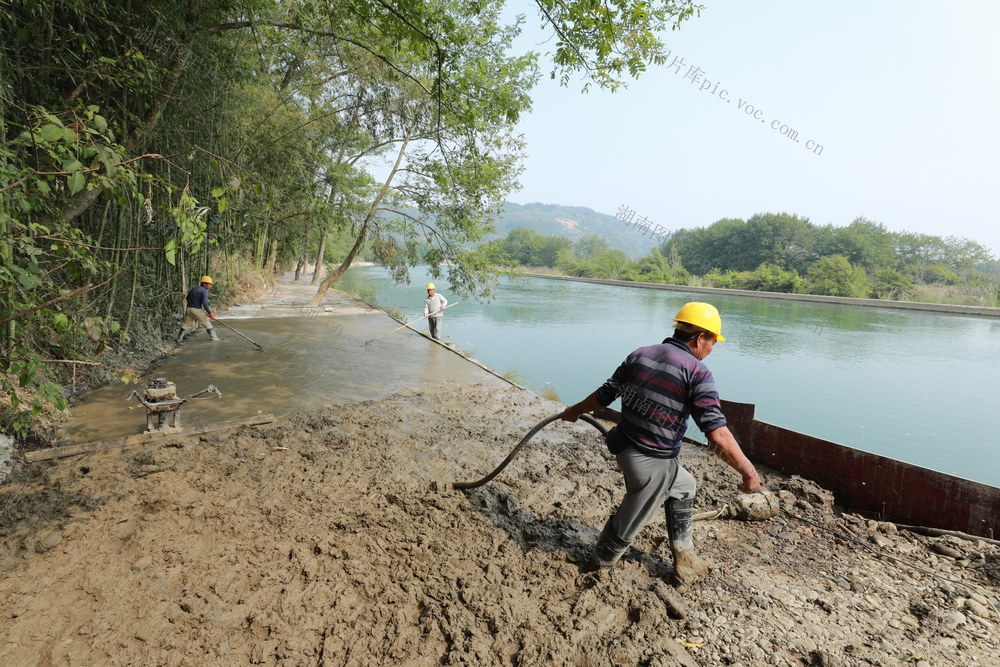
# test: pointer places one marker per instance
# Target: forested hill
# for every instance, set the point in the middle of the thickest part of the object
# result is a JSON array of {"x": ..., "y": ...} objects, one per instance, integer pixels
[{"x": 574, "y": 222}]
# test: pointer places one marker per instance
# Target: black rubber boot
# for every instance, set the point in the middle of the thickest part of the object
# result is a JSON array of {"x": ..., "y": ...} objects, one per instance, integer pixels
[
  {"x": 608, "y": 549},
  {"x": 214, "y": 336},
  {"x": 181, "y": 334},
  {"x": 688, "y": 566}
]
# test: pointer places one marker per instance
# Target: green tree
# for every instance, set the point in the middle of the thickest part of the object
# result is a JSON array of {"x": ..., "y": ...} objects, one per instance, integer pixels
[
  {"x": 777, "y": 239},
  {"x": 707, "y": 248},
  {"x": 529, "y": 248},
  {"x": 940, "y": 273},
  {"x": 864, "y": 243},
  {"x": 834, "y": 275},
  {"x": 891, "y": 284},
  {"x": 590, "y": 247},
  {"x": 655, "y": 268}
]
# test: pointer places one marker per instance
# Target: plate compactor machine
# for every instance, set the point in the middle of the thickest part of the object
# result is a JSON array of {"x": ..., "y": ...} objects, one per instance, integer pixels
[{"x": 163, "y": 405}]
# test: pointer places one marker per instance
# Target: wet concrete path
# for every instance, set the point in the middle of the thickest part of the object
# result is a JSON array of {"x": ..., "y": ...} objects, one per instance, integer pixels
[{"x": 312, "y": 357}]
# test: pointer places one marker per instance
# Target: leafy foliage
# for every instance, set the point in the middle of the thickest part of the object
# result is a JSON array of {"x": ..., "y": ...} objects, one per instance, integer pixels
[
  {"x": 834, "y": 275},
  {"x": 765, "y": 278},
  {"x": 144, "y": 144}
]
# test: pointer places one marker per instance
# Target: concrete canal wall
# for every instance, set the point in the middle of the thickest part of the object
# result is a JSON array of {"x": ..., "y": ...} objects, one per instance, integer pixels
[{"x": 784, "y": 296}]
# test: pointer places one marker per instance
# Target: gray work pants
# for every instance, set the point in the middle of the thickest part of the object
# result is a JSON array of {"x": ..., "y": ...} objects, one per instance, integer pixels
[
  {"x": 435, "y": 326},
  {"x": 649, "y": 483}
]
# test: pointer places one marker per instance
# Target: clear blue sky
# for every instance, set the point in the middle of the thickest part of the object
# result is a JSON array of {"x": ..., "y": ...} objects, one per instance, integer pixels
[{"x": 903, "y": 97}]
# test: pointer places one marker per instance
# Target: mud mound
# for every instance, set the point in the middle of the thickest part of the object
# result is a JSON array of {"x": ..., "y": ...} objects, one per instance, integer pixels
[{"x": 335, "y": 538}]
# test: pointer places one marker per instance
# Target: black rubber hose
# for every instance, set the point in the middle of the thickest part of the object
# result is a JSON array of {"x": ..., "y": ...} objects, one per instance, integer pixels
[{"x": 510, "y": 457}]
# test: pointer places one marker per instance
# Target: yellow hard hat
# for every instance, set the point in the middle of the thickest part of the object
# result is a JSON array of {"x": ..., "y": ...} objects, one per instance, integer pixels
[
  {"x": 430, "y": 286},
  {"x": 702, "y": 315},
  {"x": 207, "y": 279}
]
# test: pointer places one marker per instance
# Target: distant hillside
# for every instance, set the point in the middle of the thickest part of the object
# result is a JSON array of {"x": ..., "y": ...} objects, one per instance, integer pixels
[{"x": 574, "y": 222}]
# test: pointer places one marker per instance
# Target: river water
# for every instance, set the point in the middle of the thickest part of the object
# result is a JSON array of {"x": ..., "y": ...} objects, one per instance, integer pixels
[{"x": 916, "y": 386}]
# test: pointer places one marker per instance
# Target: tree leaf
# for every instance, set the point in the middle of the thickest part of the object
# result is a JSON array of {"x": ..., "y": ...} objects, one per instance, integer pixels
[
  {"x": 51, "y": 132},
  {"x": 171, "y": 251},
  {"x": 75, "y": 181}
]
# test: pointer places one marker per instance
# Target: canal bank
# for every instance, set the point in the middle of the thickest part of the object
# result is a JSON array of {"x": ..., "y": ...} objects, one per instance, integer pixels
[
  {"x": 957, "y": 309},
  {"x": 333, "y": 536}
]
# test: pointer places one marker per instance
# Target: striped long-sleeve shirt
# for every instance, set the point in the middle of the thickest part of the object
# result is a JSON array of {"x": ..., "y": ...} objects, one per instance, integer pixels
[{"x": 660, "y": 386}]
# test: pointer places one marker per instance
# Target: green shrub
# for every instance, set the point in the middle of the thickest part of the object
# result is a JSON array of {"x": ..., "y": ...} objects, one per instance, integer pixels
[{"x": 834, "y": 275}]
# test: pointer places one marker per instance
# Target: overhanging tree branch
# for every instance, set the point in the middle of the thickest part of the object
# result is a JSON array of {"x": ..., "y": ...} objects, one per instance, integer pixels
[{"x": 237, "y": 25}]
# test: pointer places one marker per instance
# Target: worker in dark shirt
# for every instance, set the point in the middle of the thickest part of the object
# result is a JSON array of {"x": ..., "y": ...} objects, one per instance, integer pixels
[
  {"x": 660, "y": 387},
  {"x": 198, "y": 312}
]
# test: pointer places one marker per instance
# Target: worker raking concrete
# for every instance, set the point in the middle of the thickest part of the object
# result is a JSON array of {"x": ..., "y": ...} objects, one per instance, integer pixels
[
  {"x": 660, "y": 387},
  {"x": 434, "y": 306},
  {"x": 198, "y": 311}
]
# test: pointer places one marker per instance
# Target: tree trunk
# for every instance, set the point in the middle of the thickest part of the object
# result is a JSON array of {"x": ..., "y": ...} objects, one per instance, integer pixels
[
  {"x": 318, "y": 269},
  {"x": 135, "y": 287},
  {"x": 272, "y": 257},
  {"x": 363, "y": 233},
  {"x": 117, "y": 256},
  {"x": 7, "y": 259}
]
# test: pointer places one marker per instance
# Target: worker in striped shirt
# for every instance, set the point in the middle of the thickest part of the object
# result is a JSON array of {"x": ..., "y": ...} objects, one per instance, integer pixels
[{"x": 660, "y": 387}]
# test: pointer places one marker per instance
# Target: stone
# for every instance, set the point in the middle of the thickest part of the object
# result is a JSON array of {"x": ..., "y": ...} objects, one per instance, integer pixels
[
  {"x": 945, "y": 550},
  {"x": 977, "y": 609},
  {"x": 888, "y": 528},
  {"x": 881, "y": 542},
  {"x": 674, "y": 603},
  {"x": 47, "y": 540},
  {"x": 978, "y": 598}
]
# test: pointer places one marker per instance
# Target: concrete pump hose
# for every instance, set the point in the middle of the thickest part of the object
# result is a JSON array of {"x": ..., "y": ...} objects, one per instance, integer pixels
[{"x": 510, "y": 457}]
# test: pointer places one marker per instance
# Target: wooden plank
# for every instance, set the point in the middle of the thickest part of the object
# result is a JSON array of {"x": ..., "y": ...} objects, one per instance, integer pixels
[{"x": 142, "y": 439}]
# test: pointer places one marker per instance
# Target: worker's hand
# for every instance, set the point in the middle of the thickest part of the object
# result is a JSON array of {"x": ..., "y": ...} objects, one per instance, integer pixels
[
  {"x": 751, "y": 482},
  {"x": 569, "y": 415},
  {"x": 211, "y": 316}
]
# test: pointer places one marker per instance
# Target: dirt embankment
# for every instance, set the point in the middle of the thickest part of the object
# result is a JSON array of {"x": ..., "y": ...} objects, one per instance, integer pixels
[{"x": 334, "y": 538}]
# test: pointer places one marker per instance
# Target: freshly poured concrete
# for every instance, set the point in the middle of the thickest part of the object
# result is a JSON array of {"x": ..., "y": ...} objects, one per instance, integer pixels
[{"x": 312, "y": 357}]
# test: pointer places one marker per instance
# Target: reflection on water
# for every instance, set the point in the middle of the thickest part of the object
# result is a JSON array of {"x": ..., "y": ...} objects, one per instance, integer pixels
[{"x": 912, "y": 385}]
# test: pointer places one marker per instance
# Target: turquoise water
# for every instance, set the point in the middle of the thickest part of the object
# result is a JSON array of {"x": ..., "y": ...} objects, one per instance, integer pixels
[{"x": 916, "y": 386}]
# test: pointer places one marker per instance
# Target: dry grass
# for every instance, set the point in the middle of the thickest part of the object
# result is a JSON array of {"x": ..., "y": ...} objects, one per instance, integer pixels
[{"x": 551, "y": 394}]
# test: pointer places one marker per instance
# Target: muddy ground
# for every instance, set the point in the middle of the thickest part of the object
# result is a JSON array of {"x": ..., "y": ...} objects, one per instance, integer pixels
[{"x": 334, "y": 537}]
